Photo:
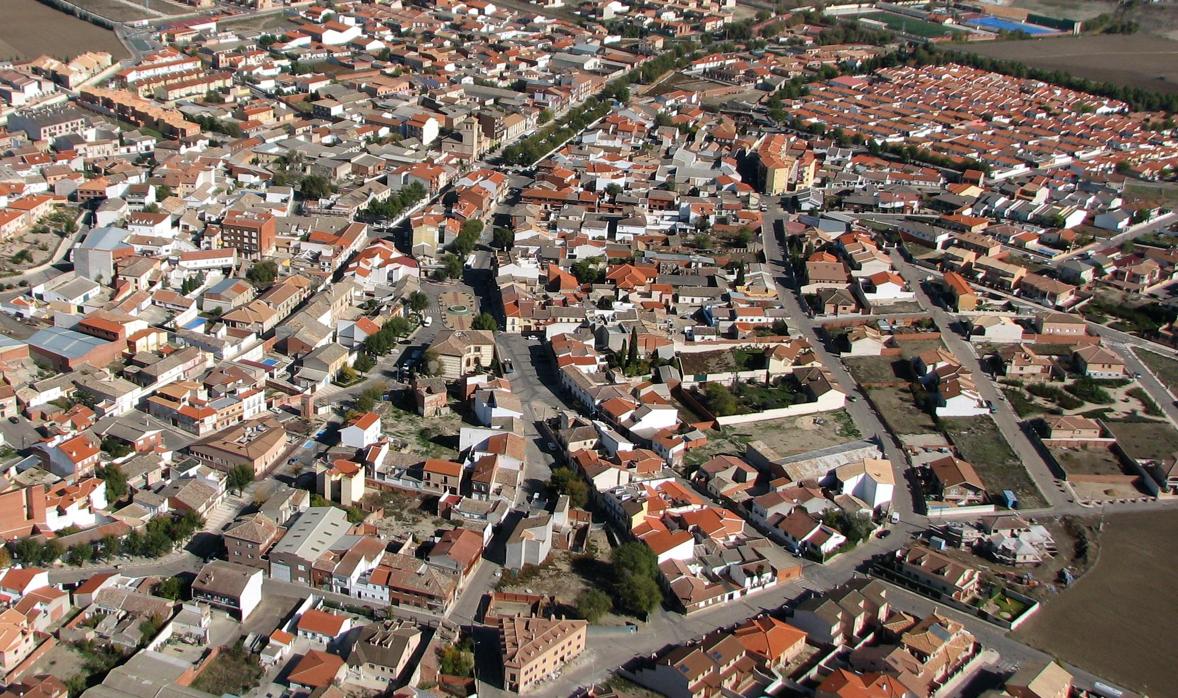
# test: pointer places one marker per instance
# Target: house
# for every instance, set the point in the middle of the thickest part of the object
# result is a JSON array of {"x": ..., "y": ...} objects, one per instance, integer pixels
[
  {"x": 1061, "y": 325},
  {"x": 1047, "y": 290},
  {"x": 458, "y": 550},
  {"x": 441, "y": 476},
  {"x": 229, "y": 586},
  {"x": 803, "y": 532},
  {"x": 1023, "y": 363},
  {"x": 382, "y": 651},
  {"x": 430, "y": 396},
  {"x": 1098, "y": 362},
  {"x": 1072, "y": 427},
  {"x": 936, "y": 574},
  {"x": 965, "y": 299},
  {"x": 535, "y": 648},
  {"x": 530, "y": 542},
  {"x": 956, "y": 482},
  {"x": 461, "y": 352},
  {"x": 249, "y": 539},
  {"x": 998, "y": 329},
  {"x": 1038, "y": 680},
  {"x": 322, "y": 627},
  {"x": 870, "y": 480},
  {"x": 844, "y": 613},
  {"x": 255, "y": 443},
  {"x": 315, "y": 671},
  {"x": 361, "y": 432},
  {"x": 341, "y": 482}
]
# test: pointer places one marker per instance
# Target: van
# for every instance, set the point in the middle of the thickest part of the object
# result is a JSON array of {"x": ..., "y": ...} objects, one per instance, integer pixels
[{"x": 894, "y": 517}]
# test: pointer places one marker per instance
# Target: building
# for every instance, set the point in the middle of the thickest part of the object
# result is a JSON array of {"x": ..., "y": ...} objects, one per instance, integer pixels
[
  {"x": 249, "y": 540},
  {"x": 256, "y": 444},
  {"x": 312, "y": 534},
  {"x": 252, "y": 234},
  {"x": 229, "y": 586},
  {"x": 956, "y": 482},
  {"x": 66, "y": 350},
  {"x": 341, "y": 482},
  {"x": 934, "y": 574},
  {"x": 534, "y": 648},
  {"x": 316, "y": 671},
  {"x": 530, "y": 542},
  {"x": 382, "y": 651},
  {"x": 1048, "y": 680},
  {"x": 462, "y": 352},
  {"x": 1097, "y": 362},
  {"x": 361, "y": 432}
]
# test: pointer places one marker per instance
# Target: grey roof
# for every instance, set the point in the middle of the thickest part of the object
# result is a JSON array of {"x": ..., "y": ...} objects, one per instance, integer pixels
[
  {"x": 63, "y": 342},
  {"x": 313, "y": 533},
  {"x": 104, "y": 238}
]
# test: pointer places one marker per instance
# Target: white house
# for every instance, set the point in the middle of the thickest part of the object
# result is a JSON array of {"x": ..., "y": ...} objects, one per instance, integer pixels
[
  {"x": 230, "y": 586},
  {"x": 361, "y": 432},
  {"x": 870, "y": 480},
  {"x": 491, "y": 406},
  {"x": 530, "y": 542}
]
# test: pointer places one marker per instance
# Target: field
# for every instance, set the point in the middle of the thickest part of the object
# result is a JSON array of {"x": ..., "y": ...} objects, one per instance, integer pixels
[
  {"x": 900, "y": 412},
  {"x": 1126, "y": 600},
  {"x": 909, "y": 25},
  {"x": 31, "y": 29},
  {"x": 1139, "y": 61},
  {"x": 1146, "y": 440},
  {"x": 785, "y": 436},
  {"x": 981, "y": 444}
]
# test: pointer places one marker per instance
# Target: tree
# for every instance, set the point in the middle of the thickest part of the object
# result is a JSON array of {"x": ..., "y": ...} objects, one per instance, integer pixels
[
  {"x": 640, "y": 595},
  {"x": 634, "y": 559},
  {"x": 565, "y": 481},
  {"x": 418, "y": 301},
  {"x": 116, "y": 481},
  {"x": 364, "y": 362},
  {"x": 456, "y": 661},
  {"x": 115, "y": 448},
  {"x": 149, "y": 628},
  {"x": 315, "y": 187},
  {"x": 263, "y": 273},
  {"x": 503, "y": 238},
  {"x": 632, "y": 352},
  {"x": 451, "y": 267},
  {"x": 347, "y": 374},
  {"x": 485, "y": 321},
  {"x": 592, "y": 604},
  {"x": 720, "y": 400},
  {"x": 240, "y": 477},
  {"x": 170, "y": 588},
  {"x": 79, "y": 554}
]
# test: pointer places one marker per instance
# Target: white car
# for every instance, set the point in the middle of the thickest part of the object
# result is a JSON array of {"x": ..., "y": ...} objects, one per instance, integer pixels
[{"x": 427, "y": 321}]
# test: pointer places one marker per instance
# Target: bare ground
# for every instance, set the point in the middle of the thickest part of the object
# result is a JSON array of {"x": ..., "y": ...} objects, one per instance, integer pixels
[{"x": 30, "y": 29}]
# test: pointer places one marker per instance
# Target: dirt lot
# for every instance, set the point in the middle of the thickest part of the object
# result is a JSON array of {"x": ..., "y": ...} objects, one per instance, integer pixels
[
  {"x": 1147, "y": 62},
  {"x": 899, "y": 411},
  {"x": 979, "y": 442},
  {"x": 786, "y": 436},
  {"x": 1127, "y": 601},
  {"x": 1146, "y": 439},
  {"x": 30, "y": 29}
]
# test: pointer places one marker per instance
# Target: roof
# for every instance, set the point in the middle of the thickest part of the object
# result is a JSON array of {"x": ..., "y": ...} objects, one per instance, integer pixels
[
  {"x": 522, "y": 640},
  {"x": 320, "y": 622},
  {"x": 224, "y": 578},
  {"x": 316, "y": 669},
  {"x": 63, "y": 342}
]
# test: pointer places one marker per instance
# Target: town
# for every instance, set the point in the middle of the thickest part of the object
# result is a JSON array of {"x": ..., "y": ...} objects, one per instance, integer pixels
[{"x": 701, "y": 348}]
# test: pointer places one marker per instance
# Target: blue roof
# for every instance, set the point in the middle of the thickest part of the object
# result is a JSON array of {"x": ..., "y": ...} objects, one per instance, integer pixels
[{"x": 63, "y": 342}]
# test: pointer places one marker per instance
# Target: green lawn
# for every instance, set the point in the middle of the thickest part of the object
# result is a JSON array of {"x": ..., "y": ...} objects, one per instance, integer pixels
[{"x": 910, "y": 25}]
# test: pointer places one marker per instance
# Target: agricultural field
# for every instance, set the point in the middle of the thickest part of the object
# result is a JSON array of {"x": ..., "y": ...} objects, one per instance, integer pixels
[
  {"x": 978, "y": 441},
  {"x": 1131, "y": 612},
  {"x": 31, "y": 29},
  {"x": 1148, "y": 62}
]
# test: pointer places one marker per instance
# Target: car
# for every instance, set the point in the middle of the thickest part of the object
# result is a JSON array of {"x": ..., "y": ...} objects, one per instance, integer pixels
[
  {"x": 13, "y": 419},
  {"x": 427, "y": 321},
  {"x": 884, "y": 533},
  {"x": 1137, "y": 375}
]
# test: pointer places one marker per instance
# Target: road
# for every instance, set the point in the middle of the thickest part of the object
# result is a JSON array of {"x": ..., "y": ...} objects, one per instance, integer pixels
[
  {"x": 1008, "y": 423},
  {"x": 864, "y": 416},
  {"x": 1117, "y": 240}
]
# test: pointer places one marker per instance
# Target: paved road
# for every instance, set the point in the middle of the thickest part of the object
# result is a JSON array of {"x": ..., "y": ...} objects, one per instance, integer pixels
[
  {"x": 1117, "y": 240},
  {"x": 1008, "y": 423},
  {"x": 864, "y": 416}
]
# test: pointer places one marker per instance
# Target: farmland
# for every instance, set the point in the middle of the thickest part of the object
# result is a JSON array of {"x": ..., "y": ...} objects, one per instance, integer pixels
[
  {"x": 30, "y": 28},
  {"x": 1133, "y": 60},
  {"x": 1131, "y": 613}
]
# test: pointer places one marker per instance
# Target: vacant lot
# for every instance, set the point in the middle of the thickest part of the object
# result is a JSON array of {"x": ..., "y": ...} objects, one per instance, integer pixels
[
  {"x": 1146, "y": 439},
  {"x": 1165, "y": 368},
  {"x": 1126, "y": 600},
  {"x": 785, "y": 436},
  {"x": 1147, "y": 62},
  {"x": 899, "y": 410},
  {"x": 876, "y": 369},
  {"x": 30, "y": 29},
  {"x": 979, "y": 442}
]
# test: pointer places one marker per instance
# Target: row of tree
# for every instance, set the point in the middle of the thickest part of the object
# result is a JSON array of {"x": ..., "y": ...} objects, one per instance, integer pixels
[{"x": 159, "y": 537}]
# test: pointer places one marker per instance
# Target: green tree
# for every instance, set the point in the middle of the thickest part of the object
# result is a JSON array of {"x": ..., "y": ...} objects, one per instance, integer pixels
[
  {"x": 347, "y": 374},
  {"x": 149, "y": 628},
  {"x": 170, "y": 588},
  {"x": 263, "y": 273},
  {"x": 565, "y": 481},
  {"x": 485, "y": 321},
  {"x": 115, "y": 448},
  {"x": 418, "y": 301},
  {"x": 364, "y": 362},
  {"x": 315, "y": 187},
  {"x": 503, "y": 238},
  {"x": 451, "y": 267},
  {"x": 640, "y": 595},
  {"x": 240, "y": 477},
  {"x": 592, "y": 604},
  {"x": 634, "y": 559},
  {"x": 456, "y": 661},
  {"x": 632, "y": 351},
  {"x": 79, "y": 554},
  {"x": 116, "y": 481}
]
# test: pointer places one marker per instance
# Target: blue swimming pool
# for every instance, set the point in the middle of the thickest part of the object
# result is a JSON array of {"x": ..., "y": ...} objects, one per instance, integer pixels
[
  {"x": 999, "y": 24},
  {"x": 269, "y": 362}
]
